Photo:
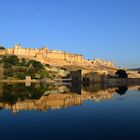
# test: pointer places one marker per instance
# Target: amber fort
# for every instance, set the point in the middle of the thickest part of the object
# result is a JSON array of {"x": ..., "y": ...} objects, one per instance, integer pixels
[{"x": 52, "y": 56}]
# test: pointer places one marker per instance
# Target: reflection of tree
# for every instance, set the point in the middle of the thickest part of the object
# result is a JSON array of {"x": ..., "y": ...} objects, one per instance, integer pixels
[
  {"x": 19, "y": 92},
  {"x": 122, "y": 90}
]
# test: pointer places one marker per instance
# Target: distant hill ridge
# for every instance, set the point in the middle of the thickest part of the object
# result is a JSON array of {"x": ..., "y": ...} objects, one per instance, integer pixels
[{"x": 135, "y": 69}]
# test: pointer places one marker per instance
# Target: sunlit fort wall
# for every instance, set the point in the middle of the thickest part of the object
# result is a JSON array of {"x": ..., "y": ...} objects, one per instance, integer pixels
[{"x": 46, "y": 55}]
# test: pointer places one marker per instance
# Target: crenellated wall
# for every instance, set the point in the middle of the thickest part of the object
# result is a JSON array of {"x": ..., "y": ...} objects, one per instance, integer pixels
[
  {"x": 43, "y": 55},
  {"x": 20, "y": 51},
  {"x": 101, "y": 62}
]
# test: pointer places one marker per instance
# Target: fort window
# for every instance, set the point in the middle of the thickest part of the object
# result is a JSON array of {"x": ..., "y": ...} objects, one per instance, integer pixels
[
  {"x": 88, "y": 80},
  {"x": 84, "y": 79}
]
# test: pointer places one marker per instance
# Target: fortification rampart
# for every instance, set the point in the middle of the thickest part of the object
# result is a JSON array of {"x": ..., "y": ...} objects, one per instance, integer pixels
[{"x": 45, "y": 55}]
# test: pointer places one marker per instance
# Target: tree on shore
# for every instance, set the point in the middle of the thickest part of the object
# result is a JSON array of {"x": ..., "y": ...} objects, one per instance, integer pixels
[
  {"x": 1, "y": 47},
  {"x": 12, "y": 59},
  {"x": 36, "y": 65},
  {"x": 121, "y": 73}
]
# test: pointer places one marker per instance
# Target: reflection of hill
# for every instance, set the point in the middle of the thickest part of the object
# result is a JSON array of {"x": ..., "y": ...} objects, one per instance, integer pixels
[
  {"x": 19, "y": 92},
  {"x": 60, "y": 97}
]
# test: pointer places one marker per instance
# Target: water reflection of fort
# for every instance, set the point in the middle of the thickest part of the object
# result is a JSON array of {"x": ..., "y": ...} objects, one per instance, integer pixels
[{"x": 56, "y": 98}]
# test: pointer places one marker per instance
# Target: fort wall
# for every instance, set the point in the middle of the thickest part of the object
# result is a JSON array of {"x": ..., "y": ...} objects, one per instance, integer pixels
[{"x": 45, "y": 55}]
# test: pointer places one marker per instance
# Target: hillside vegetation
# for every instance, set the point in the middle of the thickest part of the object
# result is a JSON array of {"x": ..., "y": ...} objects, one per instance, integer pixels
[{"x": 16, "y": 68}]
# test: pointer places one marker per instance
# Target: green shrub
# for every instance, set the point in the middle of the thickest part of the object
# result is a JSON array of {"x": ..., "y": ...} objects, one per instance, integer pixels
[
  {"x": 13, "y": 59},
  {"x": 44, "y": 74},
  {"x": 8, "y": 72},
  {"x": 23, "y": 62},
  {"x": 47, "y": 65},
  {"x": 36, "y": 65},
  {"x": 7, "y": 65},
  {"x": 21, "y": 75}
]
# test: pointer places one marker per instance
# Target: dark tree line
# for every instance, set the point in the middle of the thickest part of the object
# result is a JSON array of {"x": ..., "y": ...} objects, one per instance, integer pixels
[
  {"x": 20, "y": 68},
  {"x": 121, "y": 73},
  {"x": 2, "y": 48}
]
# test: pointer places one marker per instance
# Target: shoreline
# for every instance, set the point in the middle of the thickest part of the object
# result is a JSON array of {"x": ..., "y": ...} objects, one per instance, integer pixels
[
  {"x": 18, "y": 81},
  {"x": 107, "y": 81}
]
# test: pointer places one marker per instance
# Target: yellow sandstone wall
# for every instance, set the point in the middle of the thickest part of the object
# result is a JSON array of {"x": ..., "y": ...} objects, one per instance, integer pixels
[
  {"x": 64, "y": 56},
  {"x": 2, "y": 52},
  {"x": 102, "y": 62},
  {"x": 44, "y": 54}
]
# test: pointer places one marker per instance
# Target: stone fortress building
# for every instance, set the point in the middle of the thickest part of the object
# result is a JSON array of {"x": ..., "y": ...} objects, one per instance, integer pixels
[
  {"x": 44, "y": 53},
  {"x": 52, "y": 56}
]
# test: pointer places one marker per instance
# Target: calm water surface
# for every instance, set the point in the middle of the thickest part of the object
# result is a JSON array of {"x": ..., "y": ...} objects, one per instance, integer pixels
[{"x": 71, "y": 113}]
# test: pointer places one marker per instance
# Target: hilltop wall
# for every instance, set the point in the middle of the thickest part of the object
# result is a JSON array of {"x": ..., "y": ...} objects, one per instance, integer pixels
[{"x": 53, "y": 56}]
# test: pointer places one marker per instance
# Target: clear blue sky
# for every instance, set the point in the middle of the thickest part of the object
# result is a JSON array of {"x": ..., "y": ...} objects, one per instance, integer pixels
[{"x": 108, "y": 29}]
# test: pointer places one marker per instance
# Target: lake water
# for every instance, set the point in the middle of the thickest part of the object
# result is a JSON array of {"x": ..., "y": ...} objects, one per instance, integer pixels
[{"x": 75, "y": 112}]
